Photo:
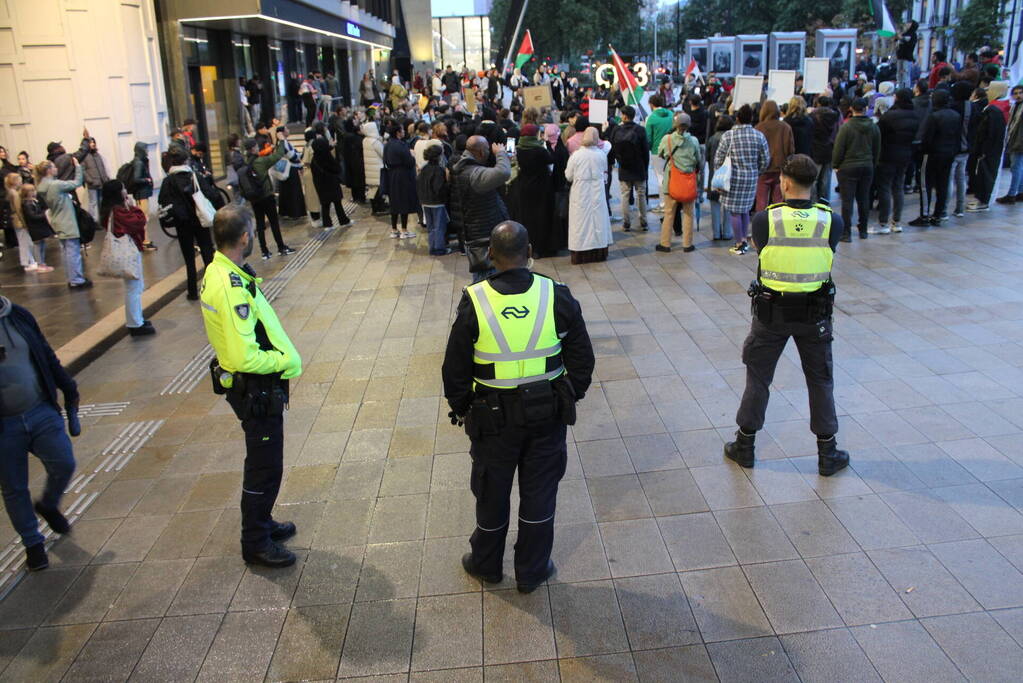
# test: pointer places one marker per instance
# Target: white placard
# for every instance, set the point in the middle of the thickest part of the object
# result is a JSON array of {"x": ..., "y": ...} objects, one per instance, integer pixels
[
  {"x": 815, "y": 76},
  {"x": 781, "y": 85},
  {"x": 747, "y": 91},
  {"x": 598, "y": 111}
]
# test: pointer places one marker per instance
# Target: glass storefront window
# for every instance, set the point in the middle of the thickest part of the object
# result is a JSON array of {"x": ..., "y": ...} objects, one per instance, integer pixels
[
  {"x": 473, "y": 43},
  {"x": 438, "y": 44},
  {"x": 487, "y": 57},
  {"x": 242, "y": 54},
  {"x": 454, "y": 41}
]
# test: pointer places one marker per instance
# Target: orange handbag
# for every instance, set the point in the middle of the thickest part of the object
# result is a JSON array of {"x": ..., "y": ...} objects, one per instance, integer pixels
[{"x": 681, "y": 185}]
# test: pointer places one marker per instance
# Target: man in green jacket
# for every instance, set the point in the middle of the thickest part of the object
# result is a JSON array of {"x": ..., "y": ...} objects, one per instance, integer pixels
[
  {"x": 857, "y": 152},
  {"x": 658, "y": 124},
  {"x": 264, "y": 205}
]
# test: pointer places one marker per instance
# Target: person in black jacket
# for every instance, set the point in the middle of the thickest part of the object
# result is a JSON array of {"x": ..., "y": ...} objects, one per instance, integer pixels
[
  {"x": 988, "y": 142},
  {"x": 177, "y": 208},
  {"x": 476, "y": 186},
  {"x": 432, "y": 188},
  {"x": 899, "y": 126},
  {"x": 962, "y": 92},
  {"x": 351, "y": 152},
  {"x": 698, "y": 114},
  {"x": 327, "y": 179},
  {"x": 905, "y": 52},
  {"x": 533, "y": 187},
  {"x": 825, "y": 130},
  {"x": 400, "y": 167},
  {"x": 30, "y": 420},
  {"x": 915, "y": 181},
  {"x": 629, "y": 144},
  {"x": 940, "y": 141},
  {"x": 801, "y": 124}
]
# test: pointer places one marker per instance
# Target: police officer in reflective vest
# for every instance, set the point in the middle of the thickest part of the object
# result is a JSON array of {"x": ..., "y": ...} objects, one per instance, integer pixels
[
  {"x": 792, "y": 297},
  {"x": 254, "y": 361},
  {"x": 517, "y": 360}
]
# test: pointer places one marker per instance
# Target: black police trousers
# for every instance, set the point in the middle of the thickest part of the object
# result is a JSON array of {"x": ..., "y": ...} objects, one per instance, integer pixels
[
  {"x": 760, "y": 354},
  {"x": 261, "y": 481},
  {"x": 540, "y": 454}
]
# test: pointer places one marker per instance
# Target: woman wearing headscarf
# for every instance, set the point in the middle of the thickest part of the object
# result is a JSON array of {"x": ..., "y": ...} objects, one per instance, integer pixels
[
  {"x": 401, "y": 182},
  {"x": 351, "y": 154},
  {"x": 559, "y": 186},
  {"x": 535, "y": 207},
  {"x": 308, "y": 189},
  {"x": 326, "y": 174},
  {"x": 589, "y": 225},
  {"x": 290, "y": 200}
]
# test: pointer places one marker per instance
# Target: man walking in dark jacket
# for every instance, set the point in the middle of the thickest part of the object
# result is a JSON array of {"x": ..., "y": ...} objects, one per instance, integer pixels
[
  {"x": 30, "y": 420},
  {"x": 825, "y": 129},
  {"x": 940, "y": 141},
  {"x": 629, "y": 146},
  {"x": 262, "y": 196},
  {"x": 856, "y": 154},
  {"x": 898, "y": 127}
]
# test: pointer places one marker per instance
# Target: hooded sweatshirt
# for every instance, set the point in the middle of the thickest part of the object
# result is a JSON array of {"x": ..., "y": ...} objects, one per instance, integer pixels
[
  {"x": 141, "y": 176},
  {"x": 658, "y": 124},
  {"x": 858, "y": 144}
]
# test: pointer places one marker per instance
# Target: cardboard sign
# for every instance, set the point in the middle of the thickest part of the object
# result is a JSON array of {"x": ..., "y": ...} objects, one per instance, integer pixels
[
  {"x": 598, "y": 111},
  {"x": 747, "y": 91},
  {"x": 538, "y": 96},
  {"x": 469, "y": 95},
  {"x": 815, "y": 78},
  {"x": 781, "y": 85}
]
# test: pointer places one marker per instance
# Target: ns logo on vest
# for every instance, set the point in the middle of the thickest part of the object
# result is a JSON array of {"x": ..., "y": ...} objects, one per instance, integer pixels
[{"x": 514, "y": 312}]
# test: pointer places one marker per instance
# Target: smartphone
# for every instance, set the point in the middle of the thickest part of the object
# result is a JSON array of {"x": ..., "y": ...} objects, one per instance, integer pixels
[{"x": 510, "y": 146}]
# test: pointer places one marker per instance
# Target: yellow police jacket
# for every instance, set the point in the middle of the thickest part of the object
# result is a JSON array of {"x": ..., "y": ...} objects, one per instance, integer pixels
[
  {"x": 242, "y": 327},
  {"x": 798, "y": 256}
]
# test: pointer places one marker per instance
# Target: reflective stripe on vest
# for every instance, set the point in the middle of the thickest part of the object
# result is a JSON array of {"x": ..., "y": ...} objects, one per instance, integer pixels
[
  {"x": 503, "y": 342},
  {"x": 796, "y": 259}
]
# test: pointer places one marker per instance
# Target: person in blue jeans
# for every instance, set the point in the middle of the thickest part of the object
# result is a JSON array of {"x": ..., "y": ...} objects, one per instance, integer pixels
[
  {"x": 30, "y": 422},
  {"x": 432, "y": 188}
]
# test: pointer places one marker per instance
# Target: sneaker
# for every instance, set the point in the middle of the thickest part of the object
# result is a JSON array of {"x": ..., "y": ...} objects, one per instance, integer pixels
[
  {"x": 408, "y": 235},
  {"x": 32, "y": 268},
  {"x": 657, "y": 209},
  {"x": 879, "y": 230},
  {"x": 938, "y": 220},
  {"x": 344, "y": 224},
  {"x": 958, "y": 213},
  {"x": 286, "y": 251},
  {"x": 1007, "y": 199},
  {"x": 35, "y": 558},
  {"x": 920, "y": 222},
  {"x": 84, "y": 284},
  {"x": 689, "y": 249},
  {"x": 395, "y": 235},
  {"x": 43, "y": 268},
  {"x": 142, "y": 331},
  {"x": 267, "y": 256},
  {"x": 660, "y": 247},
  {"x": 977, "y": 207},
  {"x": 642, "y": 224},
  {"x": 626, "y": 227},
  {"x": 739, "y": 249},
  {"x": 896, "y": 227}
]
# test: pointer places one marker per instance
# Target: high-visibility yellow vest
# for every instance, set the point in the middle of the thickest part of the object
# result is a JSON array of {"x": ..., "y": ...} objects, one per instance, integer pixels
[
  {"x": 797, "y": 257},
  {"x": 517, "y": 334}
]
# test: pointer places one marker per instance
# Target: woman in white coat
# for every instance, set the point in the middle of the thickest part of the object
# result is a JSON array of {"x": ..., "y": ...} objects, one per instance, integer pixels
[
  {"x": 589, "y": 225},
  {"x": 372, "y": 163}
]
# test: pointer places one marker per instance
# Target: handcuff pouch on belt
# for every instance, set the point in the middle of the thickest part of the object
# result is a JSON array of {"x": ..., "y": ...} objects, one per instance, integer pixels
[
  {"x": 249, "y": 395},
  {"x": 769, "y": 306}
]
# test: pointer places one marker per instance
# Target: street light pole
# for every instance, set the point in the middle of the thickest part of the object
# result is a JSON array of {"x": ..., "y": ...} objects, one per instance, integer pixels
[{"x": 678, "y": 33}]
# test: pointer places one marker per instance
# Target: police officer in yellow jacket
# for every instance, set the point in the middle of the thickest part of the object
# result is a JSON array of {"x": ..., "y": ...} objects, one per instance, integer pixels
[
  {"x": 518, "y": 358},
  {"x": 254, "y": 361},
  {"x": 792, "y": 297}
]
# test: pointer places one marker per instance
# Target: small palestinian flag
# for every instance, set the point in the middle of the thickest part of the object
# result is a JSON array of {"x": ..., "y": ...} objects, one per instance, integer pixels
[{"x": 525, "y": 50}]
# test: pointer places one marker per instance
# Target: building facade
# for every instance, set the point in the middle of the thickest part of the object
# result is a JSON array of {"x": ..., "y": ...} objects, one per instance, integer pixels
[
  {"x": 937, "y": 19},
  {"x": 66, "y": 65}
]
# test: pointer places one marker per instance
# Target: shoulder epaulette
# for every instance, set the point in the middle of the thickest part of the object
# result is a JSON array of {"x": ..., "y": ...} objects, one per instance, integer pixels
[{"x": 236, "y": 280}]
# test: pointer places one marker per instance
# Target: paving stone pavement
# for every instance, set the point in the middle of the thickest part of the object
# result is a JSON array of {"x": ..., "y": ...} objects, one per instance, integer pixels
[{"x": 673, "y": 563}]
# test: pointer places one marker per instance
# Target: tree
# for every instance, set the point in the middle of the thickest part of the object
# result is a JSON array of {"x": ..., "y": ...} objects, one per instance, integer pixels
[{"x": 979, "y": 23}]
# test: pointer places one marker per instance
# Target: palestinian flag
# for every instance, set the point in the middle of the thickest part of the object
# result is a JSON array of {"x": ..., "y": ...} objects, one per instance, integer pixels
[
  {"x": 882, "y": 18},
  {"x": 631, "y": 91},
  {"x": 525, "y": 50}
]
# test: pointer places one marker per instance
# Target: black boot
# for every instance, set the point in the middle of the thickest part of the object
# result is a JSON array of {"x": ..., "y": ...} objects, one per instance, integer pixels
[
  {"x": 829, "y": 458},
  {"x": 470, "y": 569},
  {"x": 741, "y": 450},
  {"x": 35, "y": 558},
  {"x": 281, "y": 531},
  {"x": 274, "y": 556},
  {"x": 54, "y": 518}
]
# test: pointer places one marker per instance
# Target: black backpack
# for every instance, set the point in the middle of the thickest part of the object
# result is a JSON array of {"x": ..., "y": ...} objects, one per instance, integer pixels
[
  {"x": 249, "y": 182},
  {"x": 126, "y": 174},
  {"x": 631, "y": 147}
]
